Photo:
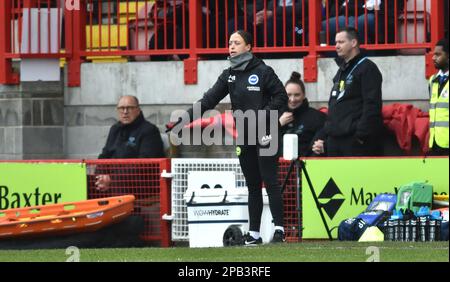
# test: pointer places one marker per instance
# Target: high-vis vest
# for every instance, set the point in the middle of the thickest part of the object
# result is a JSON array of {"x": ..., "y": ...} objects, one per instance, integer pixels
[{"x": 438, "y": 114}]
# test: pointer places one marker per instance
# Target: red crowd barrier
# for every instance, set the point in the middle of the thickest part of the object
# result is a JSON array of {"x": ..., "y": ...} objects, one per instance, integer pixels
[
  {"x": 292, "y": 196},
  {"x": 190, "y": 29},
  {"x": 141, "y": 178}
]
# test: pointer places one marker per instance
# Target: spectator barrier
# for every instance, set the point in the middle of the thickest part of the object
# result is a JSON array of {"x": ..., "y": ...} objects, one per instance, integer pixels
[
  {"x": 149, "y": 181},
  {"x": 140, "y": 177},
  {"x": 194, "y": 29},
  {"x": 180, "y": 169},
  {"x": 159, "y": 186}
]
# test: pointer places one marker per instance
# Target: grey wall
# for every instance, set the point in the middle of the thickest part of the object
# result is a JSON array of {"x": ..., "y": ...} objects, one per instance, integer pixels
[
  {"x": 89, "y": 109},
  {"x": 32, "y": 121},
  {"x": 163, "y": 82},
  {"x": 44, "y": 120}
]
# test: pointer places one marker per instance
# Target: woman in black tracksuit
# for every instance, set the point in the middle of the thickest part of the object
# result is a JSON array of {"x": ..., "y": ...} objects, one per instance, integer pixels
[{"x": 253, "y": 86}]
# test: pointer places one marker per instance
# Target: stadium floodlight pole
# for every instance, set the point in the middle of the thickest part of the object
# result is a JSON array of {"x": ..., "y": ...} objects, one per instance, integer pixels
[{"x": 290, "y": 152}]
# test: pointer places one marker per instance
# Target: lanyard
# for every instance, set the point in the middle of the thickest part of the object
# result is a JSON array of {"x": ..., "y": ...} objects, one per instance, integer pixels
[
  {"x": 342, "y": 82},
  {"x": 359, "y": 62}
]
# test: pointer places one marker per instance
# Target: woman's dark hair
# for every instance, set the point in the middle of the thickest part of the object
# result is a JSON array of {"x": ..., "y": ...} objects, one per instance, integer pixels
[
  {"x": 247, "y": 36},
  {"x": 296, "y": 78}
]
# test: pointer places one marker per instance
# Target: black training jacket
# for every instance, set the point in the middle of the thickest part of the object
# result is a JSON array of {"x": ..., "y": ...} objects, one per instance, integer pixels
[
  {"x": 255, "y": 88},
  {"x": 139, "y": 139},
  {"x": 354, "y": 108}
]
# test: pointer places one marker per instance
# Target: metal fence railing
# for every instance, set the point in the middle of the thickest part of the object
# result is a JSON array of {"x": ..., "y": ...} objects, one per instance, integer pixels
[
  {"x": 141, "y": 178},
  {"x": 191, "y": 29}
]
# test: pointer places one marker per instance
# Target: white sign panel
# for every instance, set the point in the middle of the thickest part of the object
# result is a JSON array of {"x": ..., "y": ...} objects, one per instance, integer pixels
[{"x": 40, "y": 69}]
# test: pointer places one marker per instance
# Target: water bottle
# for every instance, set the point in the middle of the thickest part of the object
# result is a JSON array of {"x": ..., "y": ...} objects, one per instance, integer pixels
[
  {"x": 384, "y": 229},
  {"x": 432, "y": 230},
  {"x": 438, "y": 229},
  {"x": 407, "y": 236},
  {"x": 435, "y": 223},
  {"x": 413, "y": 224},
  {"x": 401, "y": 230},
  {"x": 396, "y": 229},
  {"x": 423, "y": 229},
  {"x": 390, "y": 230}
]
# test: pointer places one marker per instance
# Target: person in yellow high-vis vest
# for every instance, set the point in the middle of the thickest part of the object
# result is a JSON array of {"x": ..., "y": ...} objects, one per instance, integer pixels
[{"x": 438, "y": 85}]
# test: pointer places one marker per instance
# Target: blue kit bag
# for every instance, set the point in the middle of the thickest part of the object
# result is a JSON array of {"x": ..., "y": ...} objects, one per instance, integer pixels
[{"x": 375, "y": 214}]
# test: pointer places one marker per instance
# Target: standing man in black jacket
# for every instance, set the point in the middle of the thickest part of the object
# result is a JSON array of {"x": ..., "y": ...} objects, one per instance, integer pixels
[
  {"x": 131, "y": 137},
  {"x": 354, "y": 118},
  {"x": 254, "y": 89}
]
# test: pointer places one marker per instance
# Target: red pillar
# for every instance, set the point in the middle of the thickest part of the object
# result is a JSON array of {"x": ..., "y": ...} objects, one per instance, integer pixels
[
  {"x": 165, "y": 204},
  {"x": 6, "y": 73},
  {"x": 75, "y": 42},
  {"x": 310, "y": 61},
  {"x": 195, "y": 41}
]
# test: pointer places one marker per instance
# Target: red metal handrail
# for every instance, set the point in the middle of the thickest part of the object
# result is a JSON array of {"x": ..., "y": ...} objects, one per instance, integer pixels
[{"x": 190, "y": 31}]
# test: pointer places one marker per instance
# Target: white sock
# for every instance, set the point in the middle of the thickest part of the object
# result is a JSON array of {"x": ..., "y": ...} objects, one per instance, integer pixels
[
  {"x": 254, "y": 234},
  {"x": 279, "y": 228}
]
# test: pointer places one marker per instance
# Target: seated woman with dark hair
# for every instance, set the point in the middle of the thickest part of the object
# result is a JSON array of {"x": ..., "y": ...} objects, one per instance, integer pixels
[{"x": 301, "y": 119}]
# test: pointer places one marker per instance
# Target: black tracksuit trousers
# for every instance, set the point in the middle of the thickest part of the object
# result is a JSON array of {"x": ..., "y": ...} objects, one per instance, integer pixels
[{"x": 256, "y": 169}]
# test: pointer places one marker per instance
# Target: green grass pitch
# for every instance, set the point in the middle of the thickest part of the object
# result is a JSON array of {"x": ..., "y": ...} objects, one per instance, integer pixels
[{"x": 322, "y": 251}]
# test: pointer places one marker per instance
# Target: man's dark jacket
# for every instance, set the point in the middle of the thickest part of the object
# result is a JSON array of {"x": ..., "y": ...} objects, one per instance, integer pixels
[
  {"x": 358, "y": 112},
  {"x": 139, "y": 139}
]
